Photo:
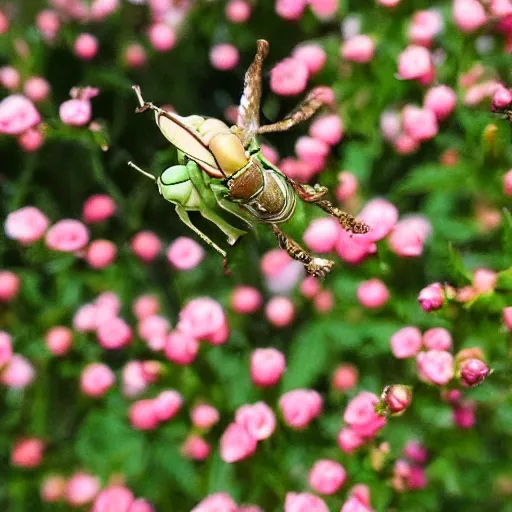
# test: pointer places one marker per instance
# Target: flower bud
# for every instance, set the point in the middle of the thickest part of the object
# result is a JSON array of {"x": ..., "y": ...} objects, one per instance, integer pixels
[
  {"x": 473, "y": 372},
  {"x": 431, "y": 297},
  {"x": 395, "y": 399}
]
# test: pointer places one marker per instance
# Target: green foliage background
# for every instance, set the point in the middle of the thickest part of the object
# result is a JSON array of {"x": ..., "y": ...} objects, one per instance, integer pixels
[{"x": 95, "y": 434}]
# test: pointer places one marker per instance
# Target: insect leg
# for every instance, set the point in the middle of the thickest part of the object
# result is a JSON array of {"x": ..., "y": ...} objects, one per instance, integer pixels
[
  {"x": 302, "y": 113},
  {"x": 317, "y": 267},
  {"x": 183, "y": 215},
  {"x": 232, "y": 233},
  {"x": 137, "y": 168},
  {"x": 348, "y": 222},
  {"x": 308, "y": 193}
]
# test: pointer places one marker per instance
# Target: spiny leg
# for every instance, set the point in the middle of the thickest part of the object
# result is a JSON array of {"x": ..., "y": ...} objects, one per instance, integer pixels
[
  {"x": 317, "y": 267},
  {"x": 308, "y": 193},
  {"x": 183, "y": 215},
  {"x": 302, "y": 113},
  {"x": 348, "y": 222}
]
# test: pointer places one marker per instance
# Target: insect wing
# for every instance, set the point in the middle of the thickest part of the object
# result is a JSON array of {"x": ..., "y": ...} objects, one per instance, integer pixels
[{"x": 188, "y": 141}]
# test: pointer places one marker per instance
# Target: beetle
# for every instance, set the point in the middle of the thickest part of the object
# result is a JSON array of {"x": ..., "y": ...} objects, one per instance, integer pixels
[{"x": 222, "y": 169}]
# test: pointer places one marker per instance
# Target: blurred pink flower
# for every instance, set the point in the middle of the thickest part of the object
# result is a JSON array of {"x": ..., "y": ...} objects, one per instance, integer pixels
[
  {"x": 236, "y": 443},
  {"x": 134, "y": 379},
  {"x": 114, "y": 333},
  {"x": 31, "y": 140},
  {"x": 145, "y": 306},
  {"x": 267, "y": 366},
  {"x": 4, "y": 23},
  {"x": 224, "y": 56},
  {"x": 345, "y": 377},
  {"x": 349, "y": 440},
  {"x": 9, "y": 285},
  {"x": 387, "y": 3},
  {"x": 302, "y": 502},
  {"x": 414, "y": 63},
  {"x": 53, "y": 488},
  {"x": 289, "y": 77},
  {"x": 146, "y": 245},
  {"x": 437, "y": 338},
  {"x": 9, "y": 77},
  {"x": 101, "y": 253},
  {"x": 135, "y": 55},
  {"x": 17, "y": 115},
  {"x": 327, "y": 476},
  {"x": 409, "y": 235},
  {"x": 310, "y": 287},
  {"x": 372, "y": 294},
  {"x": 246, "y": 299},
  {"x": 195, "y": 447},
  {"x": 100, "y": 9},
  {"x": 464, "y": 415},
  {"x": 435, "y": 366},
  {"x": 469, "y": 15},
  {"x": 143, "y": 416},
  {"x": 18, "y": 373},
  {"x": 381, "y": 216},
  {"x": 322, "y": 234},
  {"x": 27, "y": 452},
  {"x": 75, "y": 112},
  {"x": 36, "y": 88},
  {"x": 359, "y": 48},
  {"x": 507, "y": 183},
  {"x": 484, "y": 280},
  {"x": 204, "y": 416},
  {"x": 300, "y": 406},
  {"x": 416, "y": 451},
  {"x": 324, "y": 301},
  {"x": 27, "y": 225},
  {"x": 81, "y": 489},
  {"x": 5, "y": 349},
  {"x": 507, "y": 317},
  {"x": 48, "y": 23},
  {"x": 312, "y": 152},
  {"x": 313, "y": 55},
  {"x": 112, "y": 498},
  {"x": 217, "y": 502},
  {"x": 323, "y": 9},
  {"x": 406, "y": 342},
  {"x": 141, "y": 505},
  {"x": 432, "y": 297},
  {"x": 86, "y": 46},
  {"x": 97, "y": 208},
  {"x": 360, "y": 414},
  {"x": 473, "y": 371},
  {"x": 67, "y": 235},
  {"x": 167, "y": 404},
  {"x": 258, "y": 419},
  {"x": 185, "y": 253},
  {"x": 280, "y": 311},
  {"x": 290, "y": 9},
  {"x": 419, "y": 123},
  {"x": 58, "y": 340},
  {"x": 327, "y": 128},
  {"x": 96, "y": 379},
  {"x": 162, "y": 37},
  {"x": 354, "y": 249},
  {"x": 441, "y": 100},
  {"x": 353, "y": 504},
  {"x": 425, "y": 26},
  {"x": 238, "y": 11},
  {"x": 180, "y": 348}
]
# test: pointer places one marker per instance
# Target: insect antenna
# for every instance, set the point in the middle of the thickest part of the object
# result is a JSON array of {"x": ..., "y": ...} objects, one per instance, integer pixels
[{"x": 137, "y": 168}]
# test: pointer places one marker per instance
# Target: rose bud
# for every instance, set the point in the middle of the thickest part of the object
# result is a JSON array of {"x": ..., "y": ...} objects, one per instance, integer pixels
[
  {"x": 473, "y": 372},
  {"x": 431, "y": 297},
  {"x": 395, "y": 399}
]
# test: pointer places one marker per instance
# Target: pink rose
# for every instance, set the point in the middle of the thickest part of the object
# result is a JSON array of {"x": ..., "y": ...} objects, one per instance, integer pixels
[
  {"x": 17, "y": 115},
  {"x": 406, "y": 342},
  {"x": 67, "y": 235},
  {"x": 327, "y": 476},
  {"x": 258, "y": 419},
  {"x": 361, "y": 416},
  {"x": 300, "y": 406},
  {"x": 435, "y": 366},
  {"x": 302, "y": 502},
  {"x": 27, "y": 225},
  {"x": 236, "y": 443}
]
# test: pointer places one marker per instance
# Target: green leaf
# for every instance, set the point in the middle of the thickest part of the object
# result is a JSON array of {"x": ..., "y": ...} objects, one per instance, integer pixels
[
  {"x": 504, "y": 281},
  {"x": 456, "y": 266},
  {"x": 430, "y": 177}
]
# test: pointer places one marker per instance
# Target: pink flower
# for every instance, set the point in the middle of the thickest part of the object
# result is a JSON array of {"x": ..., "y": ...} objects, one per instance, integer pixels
[
  {"x": 437, "y": 338},
  {"x": 414, "y": 63},
  {"x": 345, "y": 377},
  {"x": 135, "y": 380},
  {"x": 238, "y": 11},
  {"x": 373, "y": 294},
  {"x": 432, "y": 297},
  {"x": 9, "y": 285},
  {"x": 507, "y": 317},
  {"x": 473, "y": 372},
  {"x": 313, "y": 55},
  {"x": 135, "y": 55},
  {"x": 281, "y": 272},
  {"x": 360, "y": 414},
  {"x": 36, "y": 88},
  {"x": 290, "y": 9},
  {"x": 354, "y": 249},
  {"x": 280, "y": 311},
  {"x": 204, "y": 416},
  {"x": 327, "y": 476},
  {"x": 327, "y": 128},
  {"x": 417, "y": 452},
  {"x": 204, "y": 319},
  {"x": 31, "y": 140},
  {"x": 143, "y": 416},
  {"x": 304, "y": 502},
  {"x": 359, "y": 48},
  {"x": 67, "y": 235},
  {"x": 97, "y": 208},
  {"x": 196, "y": 448},
  {"x": 167, "y": 404},
  {"x": 53, "y": 488},
  {"x": 310, "y": 287},
  {"x": 268, "y": 152},
  {"x": 464, "y": 415},
  {"x": 100, "y": 9},
  {"x": 484, "y": 280},
  {"x": 409, "y": 235},
  {"x": 419, "y": 123},
  {"x": 180, "y": 348},
  {"x": 96, "y": 379},
  {"x": 27, "y": 452},
  {"x": 86, "y": 46},
  {"x": 417, "y": 478},
  {"x": 101, "y": 253},
  {"x": 224, "y": 56},
  {"x": 425, "y": 26},
  {"x": 162, "y": 37},
  {"x": 324, "y": 301},
  {"x": 154, "y": 328},
  {"x": 390, "y": 124},
  {"x": 5, "y": 349},
  {"x": 312, "y": 152},
  {"x": 323, "y": 9},
  {"x": 388, "y": 3},
  {"x": 267, "y": 366},
  {"x": 435, "y": 366},
  {"x": 9, "y": 77},
  {"x": 113, "y": 498},
  {"x": 321, "y": 234},
  {"x": 81, "y": 489},
  {"x": 236, "y": 443},
  {"x": 114, "y": 333},
  {"x": 406, "y": 342},
  {"x": 48, "y": 23},
  {"x": 501, "y": 98},
  {"x": 18, "y": 373},
  {"x": 381, "y": 216},
  {"x": 245, "y": 299},
  {"x": 27, "y": 225},
  {"x": 4, "y": 23},
  {"x": 145, "y": 306},
  {"x": 258, "y": 419},
  {"x": 75, "y": 112},
  {"x": 146, "y": 245},
  {"x": 141, "y": 505},
  {"x": 396, "y": 398},
  {"x": 289, "y": 77},
  {"x": 185, "y": 253},
  {"x": 217, "y": 502},
  {"x": 469, "y": 15},
  {"x": 58, "y": 340},
  {"x": 441, "y": 100},
  {"x": 349, "y": 440},
  {"x": 17, "y": 115},
  {"x": 507, "y": 183},
  {"x": 300, "y": 406},
  {"x": 353, "y": 504}
]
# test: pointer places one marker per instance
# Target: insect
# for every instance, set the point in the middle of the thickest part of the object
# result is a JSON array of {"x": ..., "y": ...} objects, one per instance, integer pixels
[{"x": 221, "y": 169}]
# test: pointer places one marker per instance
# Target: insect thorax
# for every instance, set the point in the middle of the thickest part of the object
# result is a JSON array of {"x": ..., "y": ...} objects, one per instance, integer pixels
[{"x": 263, "y": 191}]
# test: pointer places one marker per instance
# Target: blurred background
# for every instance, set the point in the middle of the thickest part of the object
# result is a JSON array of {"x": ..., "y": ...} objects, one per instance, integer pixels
[{"x": 117, "y": 322}]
